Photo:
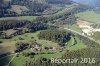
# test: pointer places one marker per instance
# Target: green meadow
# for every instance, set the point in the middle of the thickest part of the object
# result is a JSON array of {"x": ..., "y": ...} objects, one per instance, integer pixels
[
  {"x": 89, "y": 16},
  {"x": 30, "y": 18}
]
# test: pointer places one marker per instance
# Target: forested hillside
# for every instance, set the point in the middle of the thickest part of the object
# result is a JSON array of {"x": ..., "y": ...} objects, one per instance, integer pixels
[
  {"x": 95, "y": 3},
  {"x": 31, "y": 7}
]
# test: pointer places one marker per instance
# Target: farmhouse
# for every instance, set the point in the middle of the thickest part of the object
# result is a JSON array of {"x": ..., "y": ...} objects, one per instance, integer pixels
[{"x": 37, "y": 47}]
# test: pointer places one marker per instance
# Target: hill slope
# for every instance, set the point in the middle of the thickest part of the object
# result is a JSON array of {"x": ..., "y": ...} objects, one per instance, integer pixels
[
  {"x": 26, "y": 7},
  {"x": 95, "y": 3}
]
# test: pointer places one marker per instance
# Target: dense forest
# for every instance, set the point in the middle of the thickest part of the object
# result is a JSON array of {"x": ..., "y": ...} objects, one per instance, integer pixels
[
  {"x": 60, "y": 37},
  {"x": 11, "y": 24}
]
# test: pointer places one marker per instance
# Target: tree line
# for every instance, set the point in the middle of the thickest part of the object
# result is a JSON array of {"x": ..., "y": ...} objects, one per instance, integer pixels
[
  {"x": 88, "y": 42},
  {"x": 57, "y": 36},
  {"x": 11, "y": 24}
]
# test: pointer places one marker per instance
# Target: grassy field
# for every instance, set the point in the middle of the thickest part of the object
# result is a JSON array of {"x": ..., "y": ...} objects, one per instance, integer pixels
[
  {"x": 28, "y": 37},
  {"x": 78, "y": 45},
  {"x": 30, "y": 18},
  {"x": 9, "y": 44},
  {"x": 73, "y": 27},
  {"x": 9, "y": 32},
  {"x": 4, "y": 61},
  {"x": 49, "y": 56},
  {"x": 96, "y": 35},
  {"x": 89, "y": 16},
  {"x": 18, "y": 61}
]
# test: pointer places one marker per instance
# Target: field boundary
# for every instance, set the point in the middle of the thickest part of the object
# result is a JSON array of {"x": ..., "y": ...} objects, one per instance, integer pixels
[{"x": 11, "y": 59}]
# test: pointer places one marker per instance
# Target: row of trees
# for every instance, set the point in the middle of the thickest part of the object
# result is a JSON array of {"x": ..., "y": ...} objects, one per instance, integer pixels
[
  {"x": 59, "y": 1},
  {"x": 22, "y": 26},
  {"x": 69, "y": 20},
  {"x": 11, "y": 24},
  {"x": 88, "y": 42},
  {"x": 20, "y": 46},
  {"x": 36, "y": 26}
]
